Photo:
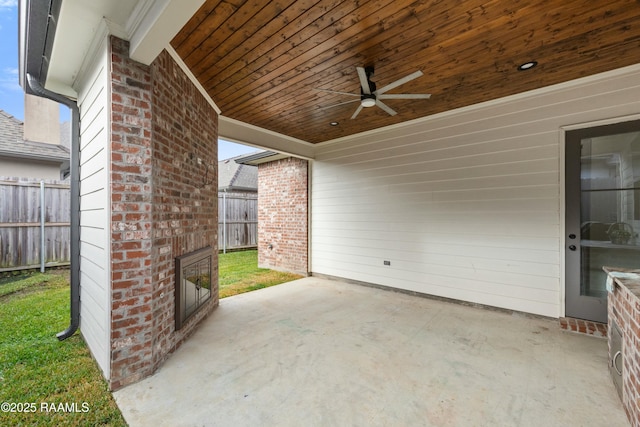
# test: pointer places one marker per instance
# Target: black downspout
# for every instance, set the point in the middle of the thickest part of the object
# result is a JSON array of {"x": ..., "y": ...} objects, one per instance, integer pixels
[{"x": 37, "y": 89}]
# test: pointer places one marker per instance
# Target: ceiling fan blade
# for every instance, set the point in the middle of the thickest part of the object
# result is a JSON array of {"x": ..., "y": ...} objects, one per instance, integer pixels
[
  {"x": 357, "y": 112},
  {"x": 340, "y": 103},
  {"x": 338, "y": 92},
  {"x": 405, "y": 96},
  {"x": 399, "y": 82},
  {"x": 385, "y": 107},
  {"x": 364, "y": 82}
]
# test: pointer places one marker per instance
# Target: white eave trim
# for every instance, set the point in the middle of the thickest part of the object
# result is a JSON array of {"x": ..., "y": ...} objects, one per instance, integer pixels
[
  {"x": 154, "y": 23},
  {"x": 244, "y": 133}
]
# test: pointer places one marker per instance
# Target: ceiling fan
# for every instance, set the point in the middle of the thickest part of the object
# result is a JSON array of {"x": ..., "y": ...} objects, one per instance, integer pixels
[{"x": 370, "y": 96}]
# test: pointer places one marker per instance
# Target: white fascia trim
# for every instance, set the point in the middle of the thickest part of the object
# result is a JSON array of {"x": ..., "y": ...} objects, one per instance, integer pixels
[
  {"x": 193, "y": 78},
  {"x": 244, "y": 133},
  {"x": 139, "y": 13},
  {"x": 154, "y": 23}
]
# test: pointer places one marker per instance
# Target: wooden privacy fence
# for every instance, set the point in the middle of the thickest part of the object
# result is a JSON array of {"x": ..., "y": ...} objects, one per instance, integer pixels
[
  {"x": 237, "y": 220},
  {"x": 20, "y": 223}
]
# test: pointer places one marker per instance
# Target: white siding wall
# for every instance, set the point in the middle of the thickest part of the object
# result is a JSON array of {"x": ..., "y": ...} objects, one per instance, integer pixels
[
  {"x": 95, "y": 252},
  {"x": 465, "y": 205}
]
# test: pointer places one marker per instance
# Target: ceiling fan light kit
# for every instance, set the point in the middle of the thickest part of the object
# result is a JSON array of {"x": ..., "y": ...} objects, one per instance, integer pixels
[
  {"x": 368, "y": 101},
  {"x": 370, "y": 96}
]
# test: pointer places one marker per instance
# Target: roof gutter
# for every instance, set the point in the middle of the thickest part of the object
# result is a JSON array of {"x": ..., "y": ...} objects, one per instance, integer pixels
[
  {"x": 39, "y": 157},
  {"x": 39, "y": 90},
  {"x": 231, "y": 188},
  {"x": 261, "y": 157},
  {"x": 38, "y": 22}
]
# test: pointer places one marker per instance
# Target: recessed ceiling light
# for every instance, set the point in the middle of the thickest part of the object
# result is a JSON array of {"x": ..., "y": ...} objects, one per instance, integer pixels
[
  {"x": 334, "y": 123},
  {"x": 527, "y": 65}
]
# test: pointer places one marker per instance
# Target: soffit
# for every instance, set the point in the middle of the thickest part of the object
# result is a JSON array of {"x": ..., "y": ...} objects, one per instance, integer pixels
[{"x": 80, "y": 22}]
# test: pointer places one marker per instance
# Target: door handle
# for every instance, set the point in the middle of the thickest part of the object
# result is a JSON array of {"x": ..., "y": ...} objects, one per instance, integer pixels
[{"x": 572, "y": 247}]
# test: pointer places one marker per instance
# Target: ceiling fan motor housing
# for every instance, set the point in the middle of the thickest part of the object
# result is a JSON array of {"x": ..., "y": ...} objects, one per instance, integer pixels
[
  {"x": 370, "y": 95},
  {"x": 369, "y": 71},
  {"x": 368, "y": 100}
]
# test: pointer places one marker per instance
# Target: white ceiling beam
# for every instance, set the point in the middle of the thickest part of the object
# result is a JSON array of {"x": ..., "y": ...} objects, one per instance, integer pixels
[
  {"x": 154, "y": 23},
  {"x": 237, "y": 131}
]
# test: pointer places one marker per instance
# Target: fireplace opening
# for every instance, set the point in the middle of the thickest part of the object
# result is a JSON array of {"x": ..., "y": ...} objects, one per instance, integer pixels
[{"x": 193, "y": 283}]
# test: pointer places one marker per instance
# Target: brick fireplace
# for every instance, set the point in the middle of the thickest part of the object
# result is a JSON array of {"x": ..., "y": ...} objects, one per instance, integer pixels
[
  {"x": 163, "y": 205},
  {"x": 193, "y": 284}
]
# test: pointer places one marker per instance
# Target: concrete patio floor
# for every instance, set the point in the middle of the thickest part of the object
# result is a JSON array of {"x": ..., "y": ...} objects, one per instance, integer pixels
[{"x": 318, "y": 352}]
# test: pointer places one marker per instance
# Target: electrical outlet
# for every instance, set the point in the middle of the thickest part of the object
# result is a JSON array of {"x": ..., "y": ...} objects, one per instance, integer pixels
[{"x": 387, "y": 262}]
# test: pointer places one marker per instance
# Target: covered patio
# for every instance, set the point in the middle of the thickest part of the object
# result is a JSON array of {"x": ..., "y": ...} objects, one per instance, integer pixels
[
  {"x": 439, "y": 140},
  {"x": 327, "y": 352}
]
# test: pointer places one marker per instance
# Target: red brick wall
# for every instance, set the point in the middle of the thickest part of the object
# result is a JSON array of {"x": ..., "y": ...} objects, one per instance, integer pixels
[
  {"x": 185, "y": 196},
  {"x": 164, "y": 204},
  {"x": 131, "y": 223},
  {"x": 624, "y": 309},
  {"x": 283, "y": 215}
]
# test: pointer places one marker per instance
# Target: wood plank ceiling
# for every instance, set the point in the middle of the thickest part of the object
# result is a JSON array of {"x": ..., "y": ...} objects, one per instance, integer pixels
[{"x": 263, "y": 62}]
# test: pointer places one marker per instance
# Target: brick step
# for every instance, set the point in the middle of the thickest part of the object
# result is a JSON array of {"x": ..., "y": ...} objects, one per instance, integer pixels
[{"x": 586, "y": 327}]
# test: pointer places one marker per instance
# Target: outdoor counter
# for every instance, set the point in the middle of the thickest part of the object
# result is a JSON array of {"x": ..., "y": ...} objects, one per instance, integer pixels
[{"x": 623, "y": 305}]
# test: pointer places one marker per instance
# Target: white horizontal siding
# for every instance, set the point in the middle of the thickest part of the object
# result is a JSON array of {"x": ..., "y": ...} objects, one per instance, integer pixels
[
  {"x": 464, "y": 205},
  {"x": 96, "y": 176},
  {"x": 95, "y": 306}
]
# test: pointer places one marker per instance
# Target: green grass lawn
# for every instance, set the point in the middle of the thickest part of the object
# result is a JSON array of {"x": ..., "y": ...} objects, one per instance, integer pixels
[
  {"x": 47, "y": 382},
  {"x": 238, "y": 272},
  {"x": 38, "y": 372}
]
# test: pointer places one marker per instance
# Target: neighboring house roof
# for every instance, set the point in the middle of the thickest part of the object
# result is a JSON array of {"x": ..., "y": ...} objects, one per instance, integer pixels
[
  {"x": 12, "y": 143},
  {"x": 260, "y": 157},
  {"x": 233, "y": 176}
]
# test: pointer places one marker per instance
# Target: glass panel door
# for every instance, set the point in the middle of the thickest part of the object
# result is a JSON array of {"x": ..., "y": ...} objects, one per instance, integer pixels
[{"x": 602, "y": 212}]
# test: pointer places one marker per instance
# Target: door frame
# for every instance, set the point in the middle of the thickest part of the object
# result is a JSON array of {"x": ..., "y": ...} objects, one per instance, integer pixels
[{"x": 563, "y": 241}]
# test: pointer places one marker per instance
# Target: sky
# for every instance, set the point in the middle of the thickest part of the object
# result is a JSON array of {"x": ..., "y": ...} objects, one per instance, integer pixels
[
  {"x": 12, "y": 95},
  {"x": 227, "y": 149}
]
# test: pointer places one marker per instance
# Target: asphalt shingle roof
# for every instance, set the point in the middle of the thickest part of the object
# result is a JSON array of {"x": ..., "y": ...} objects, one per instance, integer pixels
[
  {"x": 12, "y": 143},
  {"x": 232, "y": 175}
]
